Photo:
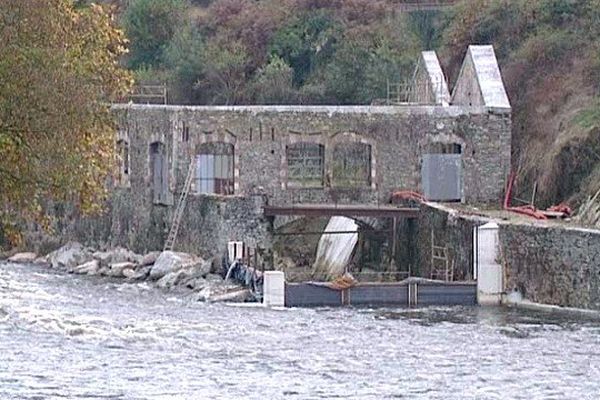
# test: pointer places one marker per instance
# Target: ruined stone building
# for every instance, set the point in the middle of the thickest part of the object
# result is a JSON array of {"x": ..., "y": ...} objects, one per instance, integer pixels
[{"x": 451, "y": 147}]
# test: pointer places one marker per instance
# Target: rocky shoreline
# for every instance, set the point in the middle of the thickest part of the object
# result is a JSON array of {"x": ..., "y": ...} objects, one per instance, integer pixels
[{"x": 200, "y": 279}]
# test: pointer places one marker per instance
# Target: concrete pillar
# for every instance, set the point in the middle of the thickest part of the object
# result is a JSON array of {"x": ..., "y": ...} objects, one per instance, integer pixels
[
  {"x": 274, "y": 289},
  {"x": 488, "y": 269}
]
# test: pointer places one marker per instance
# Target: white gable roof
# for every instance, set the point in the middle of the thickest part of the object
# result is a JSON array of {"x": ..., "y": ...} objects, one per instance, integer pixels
[
  {"x": 481, "y": 59},
  {"x": 436, "y": 76}
]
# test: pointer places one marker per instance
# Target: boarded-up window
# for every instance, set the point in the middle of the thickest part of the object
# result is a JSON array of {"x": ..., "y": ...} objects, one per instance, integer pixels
[
  {"x": 123, "y": 159},
  {"x": 159, "y": 172},
  {"x": 214, "y": 168},
  {"x": 441, "y": 172},
  {"x": 305, "y": 164},
  {"x": 351, "y": 165}
]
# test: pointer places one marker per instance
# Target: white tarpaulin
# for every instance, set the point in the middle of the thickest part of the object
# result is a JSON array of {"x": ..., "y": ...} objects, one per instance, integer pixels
[{"x": 334, "y": 251}]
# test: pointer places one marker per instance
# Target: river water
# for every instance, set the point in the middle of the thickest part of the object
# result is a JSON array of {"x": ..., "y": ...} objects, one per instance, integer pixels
[{"x": 65, "y": 336}]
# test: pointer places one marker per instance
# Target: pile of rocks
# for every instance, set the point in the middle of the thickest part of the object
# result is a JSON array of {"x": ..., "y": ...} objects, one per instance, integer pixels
[{"x": 167, "y": 269}]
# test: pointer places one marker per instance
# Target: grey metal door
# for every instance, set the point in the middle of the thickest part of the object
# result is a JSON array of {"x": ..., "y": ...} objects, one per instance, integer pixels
[{"x": 441, "y": 176}]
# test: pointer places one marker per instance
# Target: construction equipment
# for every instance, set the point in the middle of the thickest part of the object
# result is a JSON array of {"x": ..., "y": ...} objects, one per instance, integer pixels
[{"x": 170, "y": 242}]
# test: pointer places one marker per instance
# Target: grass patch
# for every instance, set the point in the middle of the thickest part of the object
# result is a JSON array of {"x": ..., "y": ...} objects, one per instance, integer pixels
[{"x": 589, "y": 117}]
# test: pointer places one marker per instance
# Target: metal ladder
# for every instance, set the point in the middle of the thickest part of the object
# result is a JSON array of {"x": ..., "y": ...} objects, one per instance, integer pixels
[{"x": 170, "y": 242}]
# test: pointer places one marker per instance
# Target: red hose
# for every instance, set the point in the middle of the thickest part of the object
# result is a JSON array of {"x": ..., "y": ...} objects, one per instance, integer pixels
[{"x": 527, "y": 210}]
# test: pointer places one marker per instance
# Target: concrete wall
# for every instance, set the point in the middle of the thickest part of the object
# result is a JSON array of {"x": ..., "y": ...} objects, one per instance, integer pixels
[{"x": 552, "y": 265}]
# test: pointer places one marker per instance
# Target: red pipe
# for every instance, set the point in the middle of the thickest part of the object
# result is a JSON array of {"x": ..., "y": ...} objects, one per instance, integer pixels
[{"x": 527, "y": 210}]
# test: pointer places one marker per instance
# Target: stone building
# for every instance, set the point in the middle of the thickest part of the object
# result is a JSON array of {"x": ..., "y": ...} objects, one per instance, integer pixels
[{"x": 451, "y": 147}]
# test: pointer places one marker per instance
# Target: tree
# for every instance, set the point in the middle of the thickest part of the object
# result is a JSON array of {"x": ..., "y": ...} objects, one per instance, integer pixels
[
  {"x": 366, "y": 60},
  {"x": 59, "y": 72},
  {"x": 184, "y": 59},
  {"x": 273, "y": 83},
  {"x": 305, "y": 42},
  {"x": 225, "y": 71},
  {"x": 150, "y": 25}
]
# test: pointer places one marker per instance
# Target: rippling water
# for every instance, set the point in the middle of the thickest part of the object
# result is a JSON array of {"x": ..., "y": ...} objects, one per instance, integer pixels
[{"x": 65, "y": 336}]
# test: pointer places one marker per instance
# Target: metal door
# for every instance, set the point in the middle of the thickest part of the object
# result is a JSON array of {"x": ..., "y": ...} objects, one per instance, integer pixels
[{"x": 441, "y": 176}]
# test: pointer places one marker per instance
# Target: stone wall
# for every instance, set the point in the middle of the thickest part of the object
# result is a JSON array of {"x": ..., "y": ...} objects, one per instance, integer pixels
[
  {"x": 398, "y": 136},
  {"x": 552, "y": 264},
  {"x": 450, "y": 229},
  {"x": 546, "y": 263}
]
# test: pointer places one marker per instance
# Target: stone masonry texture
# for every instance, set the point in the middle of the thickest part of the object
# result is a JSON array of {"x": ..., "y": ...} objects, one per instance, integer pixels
[{"x": 397, "y": 135}]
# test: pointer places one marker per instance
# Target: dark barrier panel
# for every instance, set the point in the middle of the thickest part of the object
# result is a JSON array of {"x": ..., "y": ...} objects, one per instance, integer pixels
[
  {"x": 450, "y": 294},
  {"x": 447, "y": 295},
  {"x": 378, "y": 294},
  {"x": 306, "y": 295}
]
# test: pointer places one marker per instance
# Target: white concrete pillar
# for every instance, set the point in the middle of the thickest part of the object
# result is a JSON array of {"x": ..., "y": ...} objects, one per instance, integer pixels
[
  {"x": 488, "y": 269},
  {"x": 274, "y": 289}
]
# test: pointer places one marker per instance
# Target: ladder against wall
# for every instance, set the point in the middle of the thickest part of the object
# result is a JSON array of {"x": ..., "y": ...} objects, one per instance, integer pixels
[
  {"x": 441, "y": 266},
  {"x": 170, "y": 242}
]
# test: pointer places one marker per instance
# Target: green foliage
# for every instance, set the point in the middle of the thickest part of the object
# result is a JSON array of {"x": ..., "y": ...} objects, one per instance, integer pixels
[
  {"x": 150, "y": 26},
  {"x": 184, "y": 58},
  {"x": 273, "y": 83},
  {"x": 305, "y": 42},
  {"x": 544, "y": 47},
  {"x": 426, "y": 26},
  {"x": 558, "y": 12},
  {"x": 225, "y": 71},
  {"x": 366, "y": 60},
  {"x": 589, "y": 117}
]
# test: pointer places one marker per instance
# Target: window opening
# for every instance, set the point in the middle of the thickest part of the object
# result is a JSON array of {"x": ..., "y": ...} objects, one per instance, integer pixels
[
  {"x": 215, "y": 168},
  {"x": 305, "y": 164}
]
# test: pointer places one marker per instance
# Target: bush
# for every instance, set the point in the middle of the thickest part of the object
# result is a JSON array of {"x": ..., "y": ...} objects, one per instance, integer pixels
[
  {"x": 150, "y": 26},
  {"x": 273, "y": 83}
]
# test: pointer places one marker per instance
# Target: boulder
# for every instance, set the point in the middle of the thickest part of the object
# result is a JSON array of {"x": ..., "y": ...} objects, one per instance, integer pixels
[
  {"x": 42, "y": 261},
  {"x": 150, "y": 258},
  {"x": 69, "y": 256},
  {"x": 197, "y": 283},
  {"x": 23, "y": 258},
  {"x": 116, "y": 269},
  {"x": 117, "y": 255},
  {"x": 89, "y": 268},
  {"x": 170, "y": 261},
  {"x": 140, "y": 273},
  {"x": 129, "y": 273},
  {"x": 171, "y": 279}
]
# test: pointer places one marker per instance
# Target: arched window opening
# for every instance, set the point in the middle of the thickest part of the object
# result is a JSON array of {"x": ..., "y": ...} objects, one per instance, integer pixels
[
  {"x": 215, "y": 168},
  {"x": 305, "y": 165},
  {"x": 351, "y": 165}
]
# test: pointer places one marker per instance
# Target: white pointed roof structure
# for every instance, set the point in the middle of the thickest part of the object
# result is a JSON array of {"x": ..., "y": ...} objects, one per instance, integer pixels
[
  {"x": 479, "y": 82},
  {"x": 430, "y": 86}
]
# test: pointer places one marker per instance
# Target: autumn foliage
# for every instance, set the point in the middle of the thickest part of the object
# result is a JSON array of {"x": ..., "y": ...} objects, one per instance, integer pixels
[{"x": 59, "y": 72}]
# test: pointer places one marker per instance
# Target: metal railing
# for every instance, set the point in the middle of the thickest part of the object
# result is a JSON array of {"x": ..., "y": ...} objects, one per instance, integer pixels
[{"x": 153, "y": 93}]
